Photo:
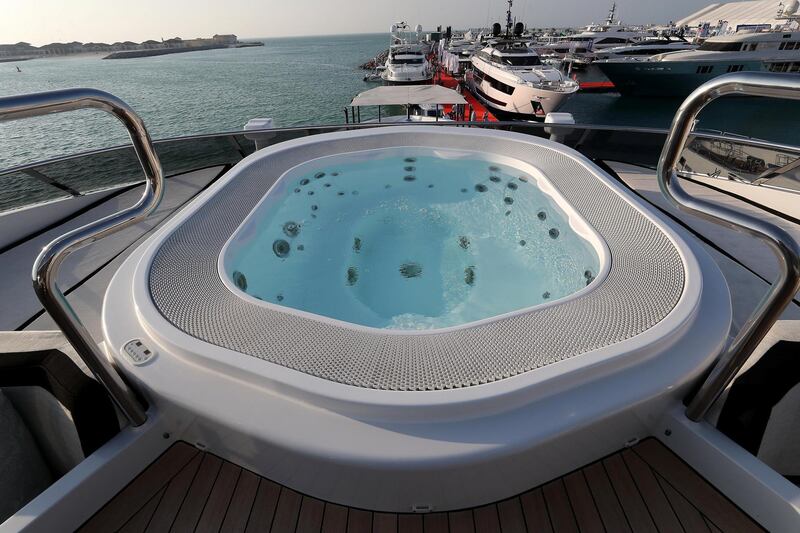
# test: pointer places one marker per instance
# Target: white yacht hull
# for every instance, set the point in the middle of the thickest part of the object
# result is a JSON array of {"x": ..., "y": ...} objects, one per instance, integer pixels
[{"x": 525, "y": 102}]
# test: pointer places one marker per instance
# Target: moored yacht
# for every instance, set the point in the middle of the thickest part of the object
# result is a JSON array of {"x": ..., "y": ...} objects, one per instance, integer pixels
[
  {"x": 407, "y": 61},
  {"x": 679, "y": 73},
  {"x": 644, "y": 49},
  {"x": 509, "y": 78},
  {"x": 594, "y": 37}
]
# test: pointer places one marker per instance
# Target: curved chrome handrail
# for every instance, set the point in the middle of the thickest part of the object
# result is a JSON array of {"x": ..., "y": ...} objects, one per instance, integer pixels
[
  {"x": 45, "y": 269},
  {"x": 779, "y": 241}
]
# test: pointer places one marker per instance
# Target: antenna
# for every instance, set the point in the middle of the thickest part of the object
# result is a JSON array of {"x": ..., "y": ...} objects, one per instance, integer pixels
[
  {"x": 611, "y": 12},
  {"x": 509, "y": 20}
]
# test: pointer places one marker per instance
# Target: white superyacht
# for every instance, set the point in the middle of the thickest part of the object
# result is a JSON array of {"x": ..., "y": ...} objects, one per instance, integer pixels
[{"x": 510, "y": 79}]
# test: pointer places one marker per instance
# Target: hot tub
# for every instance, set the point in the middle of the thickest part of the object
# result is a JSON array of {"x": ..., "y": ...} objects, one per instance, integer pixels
[
  {"x": 412, "y": 239},
  {"x": 415, "y": 317}
]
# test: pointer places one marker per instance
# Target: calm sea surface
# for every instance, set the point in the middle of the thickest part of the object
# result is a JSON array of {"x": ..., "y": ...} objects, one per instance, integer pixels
[{"x": 296, "y": 81}]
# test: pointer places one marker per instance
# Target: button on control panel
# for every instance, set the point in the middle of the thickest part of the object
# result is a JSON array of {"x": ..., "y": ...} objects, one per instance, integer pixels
[{"x": 138, "y": 352}]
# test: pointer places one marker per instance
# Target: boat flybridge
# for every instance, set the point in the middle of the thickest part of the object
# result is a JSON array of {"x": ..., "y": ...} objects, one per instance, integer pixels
[
  {"x": 645, "y": 48},
  {"x": 679, "y": 73},
  {"x": 509, "y": 78},
  {"x": 407, "y": 61},
  {"x": 593, "y": 38},
  {"x": 375, "y": 327}
]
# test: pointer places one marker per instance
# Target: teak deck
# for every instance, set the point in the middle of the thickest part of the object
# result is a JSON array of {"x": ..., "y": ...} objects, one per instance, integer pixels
[{"x": 642, "y": 488}]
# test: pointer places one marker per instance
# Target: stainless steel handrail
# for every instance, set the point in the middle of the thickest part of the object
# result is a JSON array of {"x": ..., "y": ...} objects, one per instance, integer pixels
[
  {"x": 46, "y": 266},
  {"x": 780, "y": 242}
]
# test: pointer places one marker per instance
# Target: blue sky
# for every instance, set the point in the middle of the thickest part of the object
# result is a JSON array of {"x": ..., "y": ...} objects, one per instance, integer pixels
[{"x": 43, "y": 21}]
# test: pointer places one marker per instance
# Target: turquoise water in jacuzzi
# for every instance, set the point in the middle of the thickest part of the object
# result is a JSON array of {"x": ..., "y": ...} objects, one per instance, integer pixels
[{"x": 410, "y": 239}]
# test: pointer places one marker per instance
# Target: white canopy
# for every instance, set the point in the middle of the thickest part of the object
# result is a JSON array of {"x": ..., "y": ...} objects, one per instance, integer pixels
[{"x": 408, "y": 94}]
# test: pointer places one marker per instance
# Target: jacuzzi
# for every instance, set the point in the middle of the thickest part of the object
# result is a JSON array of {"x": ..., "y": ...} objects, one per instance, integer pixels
[{"x": 415, "y": 318}]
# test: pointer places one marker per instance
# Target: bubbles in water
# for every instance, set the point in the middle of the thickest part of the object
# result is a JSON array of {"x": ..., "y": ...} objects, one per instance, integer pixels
[
  {"x": 387, "y": 186},
  {"x": 334, "y": 174},
  {"x": 494, "y": 168},
  {"x": 319, "y": 175},
  {"x": 469, "y": 275},
  {"x": 355, "y": 193},
  {"x": 352, "y": 276},
  {"x": 508, "y": 212},
  {"x": 410, "y": 178},
  {"x": 239, "y": 280},
  {"x": 409, "y": 169},
  {"x": 356, "y": 245},
  {"x": 340, "y": 193},
  {"x": 541, "y": 215},
  {"x": 327, "y": 185},
  {"x": 311, "y": 193},
  {"x": 589, "y": 280},
  {"x": 430, "y": 186},
  {"x": 511, "y": 185},
  {"x": 300, "y": 247},
  {"x": 463, "y": 242},
  {"x": 508, "y": 200},
  {"x": 281, "y": 248},
  {"x": 304, "y": 181},
  {"x": 297, "y": 190},
  {"x": 291, "y": 229},
  {"x": 553, "y": 233},
  {"x": 463, "y": 190},
  {"x": 410, "y": 270},
  {"x": 587, "y": 274},
  {"x": 410, "y": 159},
  {"x": 546, "y": 295},
  {"x": 481, "y": 187},
  {"x": 314, "y": 207},
  {"x": 495, "y": 179},
  {"x": 279, "y": 297},
  {"x": 522, "y": 242}
]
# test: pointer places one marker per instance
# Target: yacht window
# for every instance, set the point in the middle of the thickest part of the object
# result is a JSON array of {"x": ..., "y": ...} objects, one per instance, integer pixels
[
  {"x": 753, "y": 46},
  {"x": 612, "y": 40},
  {"x": 413, "y": 61},
  {"x": 519, "y": 61},
  {"x": 495, "y": 84},
  {"x": 644, "y": 52},
  {"x": 720, "y": 47}
]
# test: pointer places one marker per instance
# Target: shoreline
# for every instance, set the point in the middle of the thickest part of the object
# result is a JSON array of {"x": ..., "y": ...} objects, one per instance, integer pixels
[{"x": 132, "y": 54}]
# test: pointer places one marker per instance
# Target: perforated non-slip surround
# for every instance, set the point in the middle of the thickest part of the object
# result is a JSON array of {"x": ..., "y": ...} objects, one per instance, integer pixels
[{"x": 644, "y": 284}]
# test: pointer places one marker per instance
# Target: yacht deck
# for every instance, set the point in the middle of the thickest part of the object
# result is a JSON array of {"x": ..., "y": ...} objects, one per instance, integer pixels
[{"x": 642, "y": 488}]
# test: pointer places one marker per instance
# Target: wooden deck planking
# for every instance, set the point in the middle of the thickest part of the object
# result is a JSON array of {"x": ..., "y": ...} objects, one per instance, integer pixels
[
  {"x": 311, "y": 513},
  {"x": 644, "y": 488},
  {"x": 511, "y": 518},
  {"x": 558, "y": 506},
  {"x": 583, "y": 505},
  {"x": 334, "y": 520},
  {"x": 241, "y": 503}
]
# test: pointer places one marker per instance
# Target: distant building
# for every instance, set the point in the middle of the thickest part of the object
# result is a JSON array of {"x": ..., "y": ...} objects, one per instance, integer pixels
[
  {"x": 96, "y": 47},
  {"x": 150, "y": 44},
  {"x": 175, "y": 42},
  {"x": 225, "y": 39}
]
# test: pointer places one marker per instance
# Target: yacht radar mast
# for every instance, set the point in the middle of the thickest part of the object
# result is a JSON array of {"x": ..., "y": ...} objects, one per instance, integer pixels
[
  {"x": 509, "y": 20},
  {"x": 611, "y": 13}
]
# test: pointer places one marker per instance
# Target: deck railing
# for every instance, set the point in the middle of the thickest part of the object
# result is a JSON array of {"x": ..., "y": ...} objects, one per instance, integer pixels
[
  {"x": 779, "y": 241},
  {"x": 46, "y": 266}
]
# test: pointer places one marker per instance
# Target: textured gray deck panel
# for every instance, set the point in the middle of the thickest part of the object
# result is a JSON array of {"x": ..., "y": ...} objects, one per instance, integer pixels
[{"x": 644, "y": 284}]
